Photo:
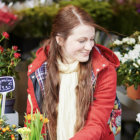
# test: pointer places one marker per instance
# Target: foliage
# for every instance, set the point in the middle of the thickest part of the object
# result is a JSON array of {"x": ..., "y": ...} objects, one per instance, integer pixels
[
  {"x": 128, "y": 52},
  {"x": 9, "y": 58},
  {"x": 137, "y": 136},
  {"x": 126, "y": 19},
  {"x": 100, "y": 11},
  {"x": 34, "y": 123},
  {"x": 37, "y": 21},
  {"x": 115, "y": 17}
]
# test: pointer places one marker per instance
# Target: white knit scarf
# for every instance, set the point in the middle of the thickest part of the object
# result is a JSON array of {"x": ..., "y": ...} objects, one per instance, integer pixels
[{"x": 67, "y": 100}]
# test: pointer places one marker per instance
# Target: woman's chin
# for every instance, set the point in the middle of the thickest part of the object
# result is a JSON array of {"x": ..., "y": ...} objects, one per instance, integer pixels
[{"x": 84, "y": 59}]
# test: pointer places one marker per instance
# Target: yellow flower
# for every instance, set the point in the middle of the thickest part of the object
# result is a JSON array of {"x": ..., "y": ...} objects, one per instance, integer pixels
[
  {"x": 12, "y": 138},
  {"x": 3, "y": 130},
  {"x": 41, "y": 117},
  {"x": 14, "y": 126},
  {"x": 46, "y": 120},
  {"x": 28, "y": 117},
  {"x": 1, "y": 121},
  {"x": 7, "y": 128}
]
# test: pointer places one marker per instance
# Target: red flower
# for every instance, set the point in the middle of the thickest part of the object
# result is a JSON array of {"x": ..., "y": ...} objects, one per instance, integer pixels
[
  {"x": 5, "y": 34},
  {"x": 7, "y": 18},
  {"x": 17, "y": 55},
  {"x": 15, "y": 48},
  {"x": 1, "y": 49}
]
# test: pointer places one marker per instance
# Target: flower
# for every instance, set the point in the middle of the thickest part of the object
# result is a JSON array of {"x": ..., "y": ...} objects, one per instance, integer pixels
[
  {"x": 15, "y": 48},
  {"x": 138, "y": 117},
  {"x": 5, "y": 35},
  {"x": 1, "y": 49},
  {"x": 9, "y": 59},
  {"x": 128, "y": 51},
  {"x": 24, "y": 132},
  {"x": 137, "y": 135},
  {"x": 7, "y": 19},
  {"x": 17, "y": 55}
]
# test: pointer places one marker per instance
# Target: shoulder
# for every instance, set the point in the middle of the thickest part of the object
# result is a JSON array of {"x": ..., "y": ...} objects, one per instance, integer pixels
[
  {"x": 103, "y": 58},
  {"x": 38, "y": 61}
]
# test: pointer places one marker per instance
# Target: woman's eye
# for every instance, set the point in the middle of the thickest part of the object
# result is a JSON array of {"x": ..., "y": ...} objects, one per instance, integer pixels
[
  {"x": 81, "y": 41},
  {"x": 92, "y": 40}
]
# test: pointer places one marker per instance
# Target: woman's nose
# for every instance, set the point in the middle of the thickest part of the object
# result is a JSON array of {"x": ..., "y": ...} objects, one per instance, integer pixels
[{"x": 89, "y": 45}]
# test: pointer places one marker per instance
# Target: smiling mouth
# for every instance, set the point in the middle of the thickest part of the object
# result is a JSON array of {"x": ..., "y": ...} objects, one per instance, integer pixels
[{"x": 86, "y": 53}]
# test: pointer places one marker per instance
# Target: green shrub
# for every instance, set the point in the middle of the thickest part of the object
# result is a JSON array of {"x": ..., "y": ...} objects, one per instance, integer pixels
[
  {"x": 101, "y": 12},
  {"x": 126, "y": 19},
  {"x": 35, "y": 22}
]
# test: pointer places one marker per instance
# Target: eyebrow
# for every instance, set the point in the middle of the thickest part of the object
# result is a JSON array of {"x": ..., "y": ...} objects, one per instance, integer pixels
[{"x": 85, "y": 37}]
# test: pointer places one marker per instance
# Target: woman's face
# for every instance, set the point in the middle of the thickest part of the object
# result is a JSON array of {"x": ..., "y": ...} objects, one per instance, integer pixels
[{"x": 79, "y": 44}]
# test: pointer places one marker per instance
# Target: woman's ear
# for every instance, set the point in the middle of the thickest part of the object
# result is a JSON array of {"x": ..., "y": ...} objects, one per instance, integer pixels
[{"x": 59, "y": 40}]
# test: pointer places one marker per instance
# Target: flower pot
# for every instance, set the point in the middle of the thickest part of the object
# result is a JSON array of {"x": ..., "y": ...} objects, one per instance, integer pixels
[
  {"x": 9, "y": 106},
  {"x": 133, "y": 93}
]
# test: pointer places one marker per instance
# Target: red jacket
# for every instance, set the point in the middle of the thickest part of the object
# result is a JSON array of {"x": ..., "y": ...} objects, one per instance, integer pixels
[{"x": 104, "y": 64}]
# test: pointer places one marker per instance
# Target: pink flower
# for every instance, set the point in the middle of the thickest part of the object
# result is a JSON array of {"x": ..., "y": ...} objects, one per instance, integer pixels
[
  {"x": 17, "y": 55},
  {"x": 1, "y": 49},
  {"x": 5, "y": 35},
  {"x": 15, "y": 48}
]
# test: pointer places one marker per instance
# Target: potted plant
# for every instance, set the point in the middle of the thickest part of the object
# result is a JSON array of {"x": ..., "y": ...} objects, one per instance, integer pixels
[
  {"x": 9, "y": 58},
  {"x": 128, "y": 51},
  {"x": 7, "y": 132}
]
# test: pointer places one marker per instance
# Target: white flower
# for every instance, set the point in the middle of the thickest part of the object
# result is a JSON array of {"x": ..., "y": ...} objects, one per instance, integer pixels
[
  {"x": 118, "y": 55},
  {"x": 124, "y": 59},
  {"x": 129, "y": 40},
  {"x": 133, "y": 54},
  {"x": 125, "y": 40},
  {"x": 137, "y": 47},
  {"x": 117, "y": 42},
  {"x": 135, "y": 65},
  {"x": 138, "y": 61},
  {"x": 139, "y": 39},
  {"x": 129, "y": 71},
  {"x": 138, "y": 117}
]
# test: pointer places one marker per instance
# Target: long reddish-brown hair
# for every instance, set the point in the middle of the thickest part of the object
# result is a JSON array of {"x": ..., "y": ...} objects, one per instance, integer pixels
[{"x": 66, "y": 19}]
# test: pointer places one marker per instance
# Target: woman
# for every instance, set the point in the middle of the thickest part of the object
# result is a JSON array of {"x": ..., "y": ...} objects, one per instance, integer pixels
[{"x": 62, "y": 76}]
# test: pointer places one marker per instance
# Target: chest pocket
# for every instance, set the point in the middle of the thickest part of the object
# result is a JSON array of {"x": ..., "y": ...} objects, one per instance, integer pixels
[{"x": 114, "y": 121}]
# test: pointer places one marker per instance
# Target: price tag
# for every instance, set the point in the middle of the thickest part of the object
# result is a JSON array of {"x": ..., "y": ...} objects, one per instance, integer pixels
[{"x": 7, "y": 84}]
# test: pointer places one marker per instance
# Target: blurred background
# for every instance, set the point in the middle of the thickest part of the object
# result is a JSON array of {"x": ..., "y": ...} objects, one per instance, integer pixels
[{"x": 29, "y": 22}]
